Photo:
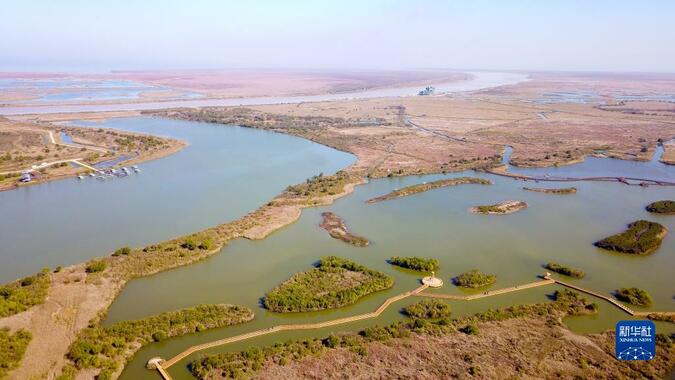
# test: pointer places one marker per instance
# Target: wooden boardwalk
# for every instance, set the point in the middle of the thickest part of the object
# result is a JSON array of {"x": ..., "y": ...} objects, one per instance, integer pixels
[
  {"x": 309, "y": 326},
  {"x": 163, "y": 366},
  {"x": 488, "y": 293}
]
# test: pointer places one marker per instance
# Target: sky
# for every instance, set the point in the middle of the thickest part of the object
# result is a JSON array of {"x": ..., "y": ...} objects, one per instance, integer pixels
[{"x": 569, "y": 35}]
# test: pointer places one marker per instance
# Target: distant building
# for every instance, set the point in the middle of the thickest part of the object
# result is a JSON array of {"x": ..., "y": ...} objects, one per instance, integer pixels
[
  {"x": 429, "y": 90},
  {"x": 25, "y": 177}
]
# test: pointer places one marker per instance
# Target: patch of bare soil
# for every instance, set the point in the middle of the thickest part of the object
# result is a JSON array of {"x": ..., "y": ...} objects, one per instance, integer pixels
[{"x": 337, "y": 229}]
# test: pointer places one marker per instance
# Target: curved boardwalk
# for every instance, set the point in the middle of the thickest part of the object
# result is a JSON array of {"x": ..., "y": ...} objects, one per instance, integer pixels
[
  {"x": 488, "y": 293},
  {"x": 161, "y": 367},
  {"x": 310, "y": 326},
  {"x": 624, "y": 180}
]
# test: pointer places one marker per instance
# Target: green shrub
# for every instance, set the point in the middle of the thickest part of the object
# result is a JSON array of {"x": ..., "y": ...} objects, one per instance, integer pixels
[
  {"x": 641, "y": 238},
  {"x": 12, "y": 348},
  {"x": 634, "y": 296},
  {"x": 96, "y": 266},
  {"x": 206, "y": 245},
  {"x": 189, "y": 244},
  {"x": 474, "y": 279},
  {"x": 160, "y": 336},
  {"x": 567, "y": 271},
  {"x": 122, "y": 251},
  {"x": 469, "y": 330},
  {"x": 335, "y": 282},
  {"x": 415, "y": 263},
  {"x": 661, "y": 207},
  {"x": 23, "y": 294},
  {"x": 428, "y": 309},
  {"x": 108, "y": 347}
]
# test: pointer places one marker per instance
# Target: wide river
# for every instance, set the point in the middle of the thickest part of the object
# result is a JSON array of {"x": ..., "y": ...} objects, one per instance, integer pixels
[{"x": 227, "y": 171}]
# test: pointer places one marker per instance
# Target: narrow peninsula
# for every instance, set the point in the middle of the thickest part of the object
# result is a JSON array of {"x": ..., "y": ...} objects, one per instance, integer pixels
[
  {"x": 501, "y": 208},
  {"x": 422, "y": 187},
  {"x": 337, "y": 229},
  {"x": 560, "y": 191}
]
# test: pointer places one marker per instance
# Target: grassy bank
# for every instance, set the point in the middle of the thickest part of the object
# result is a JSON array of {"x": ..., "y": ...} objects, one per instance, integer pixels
[
  {"x": 500, "y": 208},
  {"x": 107, "y": 348},
  {"x": 23, "y": 294},
  {"x": 335, "y": 282},
  {"x": 564, "y": 190},
  {"x": 429, "y": 318},
  {"x": 422, "y": 187},
  {"x": 12, "y": 348}
]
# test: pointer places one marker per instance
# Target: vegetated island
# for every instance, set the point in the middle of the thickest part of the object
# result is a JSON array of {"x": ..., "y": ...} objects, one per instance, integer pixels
[
  {"x": 338, "y": 230},
  {"x": 335, "y": 282},
  {"x": 634, "y": 296},
  {"x": 662, "y": 207},
  {"x": 422, "y": 187},
  {"x": 567, "y": 271},
  {"x": 501, "y": 208},
  {"x": 420, "y": 264},
  {"x": 641, "y": 238},
  {"x": 89, "y": 288},
  {"x": 474, "y": 279},
  {"x": 107, "y": 349},
  {"x": 447, "y": 348},
  {"x": 564, "y": 190}
]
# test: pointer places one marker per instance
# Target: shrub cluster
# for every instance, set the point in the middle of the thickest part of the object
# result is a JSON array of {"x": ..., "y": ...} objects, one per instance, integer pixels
[
  {"x": 107, "y": 347},
  {"x": 474, "y": 279},
  {"x": 642, "y": 237},
  {"x": 25, "y": 293},
  {"x": 661, "y": 207},
  {"x": 428, "y": 309},
  {"x": 245, "y": 364},
  {"x": 335, "y": 282},
  {"x": 415, "y": 263},
  {"x": 567, "y": 271},
  {"x": 634, "y": 296},
  {"x": 12, "y": 348}
]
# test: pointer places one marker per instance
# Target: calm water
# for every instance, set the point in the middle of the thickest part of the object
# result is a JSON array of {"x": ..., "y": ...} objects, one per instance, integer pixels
[
  {"x": 433, "y": 224},
  {"x": 224, "y": 173},
  {"x": 480, "y": 81},
  {"x": 81, "y": 90},
  {"x": 228, "y": 171}
]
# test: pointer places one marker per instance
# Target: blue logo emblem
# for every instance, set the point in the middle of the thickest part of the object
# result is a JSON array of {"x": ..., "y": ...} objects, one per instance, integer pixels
[{"x": 635, "y": 340}]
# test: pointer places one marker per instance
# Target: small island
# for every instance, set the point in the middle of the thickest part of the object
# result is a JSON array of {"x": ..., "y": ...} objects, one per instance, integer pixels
[
  {"x": 641, "y": 238},
  {"x": 428, "y": 309},
  {"x": 567, "y": 271},
  {"x": 501, "y": 208},
  {"x": 662, "y": 207},
  {"x": 335, "y": 282},
  {"x": 564, "y": 190},
  {"x": 420, "y": 264},
  {"x": 474, "y": 279},
  {"x": 422, "y": 187},
  {"x": 338, "y": 230},
  {"x": 634, "y": 296}
]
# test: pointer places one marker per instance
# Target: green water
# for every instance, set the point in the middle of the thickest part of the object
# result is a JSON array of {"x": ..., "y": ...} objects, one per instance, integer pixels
[{"x": 436, "y": 224}]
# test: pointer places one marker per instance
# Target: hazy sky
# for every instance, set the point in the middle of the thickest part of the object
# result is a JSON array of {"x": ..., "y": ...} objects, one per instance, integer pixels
[{"x": 163, "y": 34}]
